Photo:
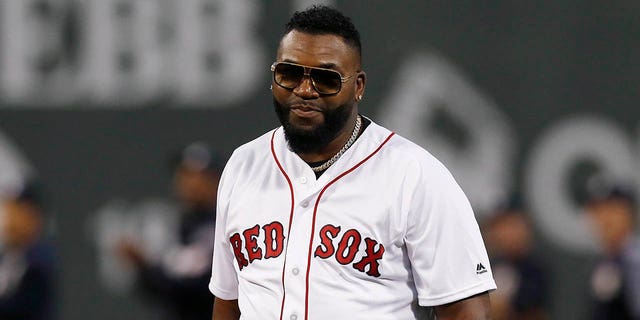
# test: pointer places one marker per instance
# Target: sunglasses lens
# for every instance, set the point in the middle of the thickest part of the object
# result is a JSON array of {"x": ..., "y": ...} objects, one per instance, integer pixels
[
  {"x": 288, "y": 75},
  {"x": 291, "y": 75},
  {"x": 326, "y": 81}
]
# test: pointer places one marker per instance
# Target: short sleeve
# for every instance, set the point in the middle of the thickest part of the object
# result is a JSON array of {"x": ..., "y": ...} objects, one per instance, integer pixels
[
  {"x": 224, "y": 280},
  {"x": 446, "y": 251}
]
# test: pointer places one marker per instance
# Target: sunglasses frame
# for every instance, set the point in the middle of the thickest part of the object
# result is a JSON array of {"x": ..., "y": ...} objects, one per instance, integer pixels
[{"x": 307, "y": 73}]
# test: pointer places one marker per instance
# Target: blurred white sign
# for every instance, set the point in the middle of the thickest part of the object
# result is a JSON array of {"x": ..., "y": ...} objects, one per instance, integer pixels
[
  {"x": 14, "y": 168},
  {"x": 129, "y": 53}
]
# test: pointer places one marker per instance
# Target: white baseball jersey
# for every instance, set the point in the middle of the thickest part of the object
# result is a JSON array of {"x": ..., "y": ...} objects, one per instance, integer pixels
[{"x": 385, "y": 228}]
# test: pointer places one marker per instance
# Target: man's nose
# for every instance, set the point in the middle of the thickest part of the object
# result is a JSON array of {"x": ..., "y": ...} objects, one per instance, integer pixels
[{"x": 305, "y": 89}]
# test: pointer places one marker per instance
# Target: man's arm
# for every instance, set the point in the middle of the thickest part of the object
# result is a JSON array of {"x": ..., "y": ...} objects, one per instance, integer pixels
[
  {"x": 226, "y": 310},
  {"x": 476, "y": 307}
]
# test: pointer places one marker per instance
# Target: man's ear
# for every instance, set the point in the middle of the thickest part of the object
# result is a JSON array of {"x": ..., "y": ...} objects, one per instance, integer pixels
[{"x": 361, "y": 81}]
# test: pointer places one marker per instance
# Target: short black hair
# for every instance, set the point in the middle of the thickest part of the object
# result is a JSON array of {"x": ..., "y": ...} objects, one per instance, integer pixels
[
  {"x": 320, "y": 19},
  {"x": 601, "y": 188},
  {"x": 32, "y": 193},
  {"x": 198, "y": 156}
]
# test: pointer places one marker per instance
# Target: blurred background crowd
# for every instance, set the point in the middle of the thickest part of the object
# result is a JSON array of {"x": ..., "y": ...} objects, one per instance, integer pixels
[{"x": 116, "y": 117}]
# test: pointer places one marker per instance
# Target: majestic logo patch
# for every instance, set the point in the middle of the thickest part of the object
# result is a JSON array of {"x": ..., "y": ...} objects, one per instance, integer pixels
[{"x": 480, "y": 269}]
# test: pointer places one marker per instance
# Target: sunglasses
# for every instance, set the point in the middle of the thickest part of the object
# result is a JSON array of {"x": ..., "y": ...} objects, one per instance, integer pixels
[{"x": 290, "y": 75}]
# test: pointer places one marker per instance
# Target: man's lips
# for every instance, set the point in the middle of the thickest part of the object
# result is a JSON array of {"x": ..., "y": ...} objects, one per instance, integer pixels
[
  {"x": 305, "y": 107},
  {"x": 305, "y": 111}
]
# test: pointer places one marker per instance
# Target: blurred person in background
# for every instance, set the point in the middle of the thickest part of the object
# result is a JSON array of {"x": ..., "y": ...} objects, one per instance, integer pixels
[
  {"x": 179, "y": 279},
  {"x": 520, "y": 276},
  {"x": 27, "y": 263},
  {"x": 615, "y": 280}
]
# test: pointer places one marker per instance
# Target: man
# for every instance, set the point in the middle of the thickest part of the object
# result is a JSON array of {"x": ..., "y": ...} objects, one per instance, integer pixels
[
  {"x": 615, "y": 281},
  {"x": 520, "y": 274},
  {"x": 178, "y": 279},
  {"x": 27, "y": 260},
  {"x": 332, "y": 216}
]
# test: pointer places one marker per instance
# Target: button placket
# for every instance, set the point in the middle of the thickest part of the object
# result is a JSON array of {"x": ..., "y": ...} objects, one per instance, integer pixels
[
  {"x": 308, "y": 194},
  {"x": 294, "y": 281}
]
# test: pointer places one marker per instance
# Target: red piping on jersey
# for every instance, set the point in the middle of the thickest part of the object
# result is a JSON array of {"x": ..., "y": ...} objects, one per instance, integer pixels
[
  {"x": 273, "y": 152},
  {"x": 313, "y": 223}
]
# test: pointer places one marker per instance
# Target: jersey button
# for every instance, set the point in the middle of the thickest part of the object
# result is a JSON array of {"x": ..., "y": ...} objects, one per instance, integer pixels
[
  {"x": 305, "y": 204},
  {"x": 303, "y": 180},
  {"x": 294, "y": 317},
  {"x": 295, "y": 271}
]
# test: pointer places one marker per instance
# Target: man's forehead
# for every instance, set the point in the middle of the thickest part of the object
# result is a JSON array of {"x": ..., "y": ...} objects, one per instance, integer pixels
[{"x": 315, "y": 49}]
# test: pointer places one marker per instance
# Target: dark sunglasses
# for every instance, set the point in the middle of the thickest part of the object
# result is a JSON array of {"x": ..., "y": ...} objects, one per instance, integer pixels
[{"x": 290, "y": 75}]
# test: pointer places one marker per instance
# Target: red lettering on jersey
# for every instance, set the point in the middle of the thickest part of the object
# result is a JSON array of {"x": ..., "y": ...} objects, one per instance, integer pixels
[
  {"x": 273, "y": 239},
  {"x": 326, "y": 249},
  {"x": 351, "y": 249},
  {"x": 348, "y": 247},
  {"x": 251, "y": 244},
  {"x": 371, "y": 258},
  {"x": 236, "y": 244}
]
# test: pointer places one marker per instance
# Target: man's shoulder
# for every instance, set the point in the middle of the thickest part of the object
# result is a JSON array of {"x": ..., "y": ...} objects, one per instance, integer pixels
[
  {"x": 407, "y": 149},
  {"x": 403, "y": 152},
  {"x": 260, "y": 144},
  {"x": 248, "y": 157}
]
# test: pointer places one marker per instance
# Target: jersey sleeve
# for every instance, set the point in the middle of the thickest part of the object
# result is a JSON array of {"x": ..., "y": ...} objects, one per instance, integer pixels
[
  {"x": 446, "y": 251},
  {"x": 224, "y": 281}
]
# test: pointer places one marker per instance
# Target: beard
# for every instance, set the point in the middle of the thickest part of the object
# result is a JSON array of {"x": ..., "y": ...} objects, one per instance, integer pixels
[{"x": 312, "y": 140}]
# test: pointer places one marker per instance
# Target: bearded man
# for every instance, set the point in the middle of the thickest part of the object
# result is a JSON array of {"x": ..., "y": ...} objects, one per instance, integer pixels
[{"x": 331, "y": 216}]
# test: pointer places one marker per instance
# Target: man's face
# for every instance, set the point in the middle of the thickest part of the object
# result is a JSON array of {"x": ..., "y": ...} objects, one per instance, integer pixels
[
  {"x": 509, "y": 235},
  {"x": 20, "y": 223},
  {"x": 312, "y": 120},
  {"x": 612, "y": 220},
  {"x": 196, "y": 188}
]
